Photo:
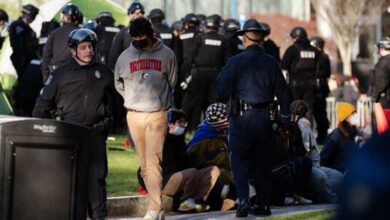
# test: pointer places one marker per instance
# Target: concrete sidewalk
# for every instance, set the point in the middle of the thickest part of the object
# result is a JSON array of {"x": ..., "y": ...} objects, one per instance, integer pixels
[{"x": 276, "y": 211}]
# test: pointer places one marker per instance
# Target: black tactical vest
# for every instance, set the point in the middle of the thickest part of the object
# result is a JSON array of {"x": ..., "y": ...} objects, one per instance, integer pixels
[{"x": 305, "y": 67}]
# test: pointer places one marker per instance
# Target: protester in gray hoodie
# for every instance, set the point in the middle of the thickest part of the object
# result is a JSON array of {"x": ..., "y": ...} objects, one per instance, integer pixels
[{"x": 145, "y": 75}]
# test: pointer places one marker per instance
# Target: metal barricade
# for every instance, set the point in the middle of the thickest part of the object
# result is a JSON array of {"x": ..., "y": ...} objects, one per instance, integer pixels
[
  {"x": 364, "y": 108},
  {"x": 331, "y": 112}
]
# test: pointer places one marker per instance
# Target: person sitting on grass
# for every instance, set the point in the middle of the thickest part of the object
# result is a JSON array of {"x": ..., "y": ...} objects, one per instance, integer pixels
[
  {"x": 339, "y": 145},
  {"x": 189, "y": 186},
  {"x": 324, "y": 181},
  {"x": 209, "y": 147}
]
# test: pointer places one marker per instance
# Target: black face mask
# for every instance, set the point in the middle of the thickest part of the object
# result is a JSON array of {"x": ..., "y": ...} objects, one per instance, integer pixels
[
  {"x": 141, "y": 44},
  {"x": 29, "y": 18}
]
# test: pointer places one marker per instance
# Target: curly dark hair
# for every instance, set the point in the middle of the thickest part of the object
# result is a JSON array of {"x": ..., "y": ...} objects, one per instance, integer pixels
[
  {"x": 299, "y": 108},
  {"x": 175, "y": 114},
  {"x": 140, "y": 26}
]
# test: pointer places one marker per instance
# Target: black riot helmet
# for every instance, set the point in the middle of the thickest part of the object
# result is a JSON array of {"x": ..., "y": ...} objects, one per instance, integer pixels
[
  {"x": 91, "y": 25},
  {"x": 177, "y": 25},
  {"x": 212, "y": 23},
  {"x": 384, "y": 43},
  {"x": 266, "y": 27},
  {"x": 201, "y": 17},
  {"x": 82, "y": 35},
  {"x": 217, "y": 17},
  {"x": 29, "y": 12},
  {"x": 135, "y": 6},
  {"x": 72, "y": 11},
  {"x": 231, "y": 25},
  {"x": 317, "y": 42},
  {"x": 298, "y": 32},
  {"x": 3, "y": 15},
  {"x": 156, "y": 15},
  {"x": 105, "y": 18},
  {"x": 191, "y": 19}
]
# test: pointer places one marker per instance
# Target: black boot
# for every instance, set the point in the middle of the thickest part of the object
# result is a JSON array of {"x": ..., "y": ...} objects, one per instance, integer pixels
[
  {"x": 243, "y": 208},
  {"x": 261, "y": 210}
]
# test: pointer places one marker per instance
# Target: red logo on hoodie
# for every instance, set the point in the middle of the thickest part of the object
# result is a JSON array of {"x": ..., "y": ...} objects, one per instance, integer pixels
[{"x": 145, "y": 64}]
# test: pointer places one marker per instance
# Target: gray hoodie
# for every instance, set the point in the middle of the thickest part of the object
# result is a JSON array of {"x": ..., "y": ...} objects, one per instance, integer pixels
[{"x": 145, "y": 79}]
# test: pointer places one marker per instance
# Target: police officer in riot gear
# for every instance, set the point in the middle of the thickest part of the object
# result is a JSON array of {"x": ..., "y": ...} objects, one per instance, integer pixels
[
  {"x": 177, "y": 46},
  {"x": 105, "y": 30},
  {"x": 381, "y": 78},
  {"x": 234, "y": 43},
  {"x": 3, "y": 26},
  {"x": 161, "y": 30},
  {"x": 23, "y": 39},
  {"x": 80, "y": 91},
  {"x": 47, "y": 27},
  {"x": 202, "y": 20},
  {"x": 300, "y": 61},
  {"x": 210, "y": 57},
  {"x": 218, "y": 19},
  {"x": 269, "y": 45},
  {"x": 191, "y": 29},
  {"x": 322, "y": 89},
  {"x": 122, "y": 39},
  {"x": 55, "y": 51},
  {"x": 251, "y": 80}
]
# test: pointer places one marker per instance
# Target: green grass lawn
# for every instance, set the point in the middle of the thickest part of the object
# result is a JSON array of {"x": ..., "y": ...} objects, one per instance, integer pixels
[
  {"x": 122, "y": 168},
  {"x": 316, "y": 215}
]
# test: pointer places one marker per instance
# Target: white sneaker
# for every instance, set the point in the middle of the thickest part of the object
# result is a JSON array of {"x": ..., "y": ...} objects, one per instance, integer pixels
[
  {"x": 187, "y": 205},
  {"x": 154, "y": 215}
]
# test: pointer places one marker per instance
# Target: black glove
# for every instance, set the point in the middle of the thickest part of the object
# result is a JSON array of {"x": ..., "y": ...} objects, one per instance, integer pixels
[{"x": 101, "y": 127}]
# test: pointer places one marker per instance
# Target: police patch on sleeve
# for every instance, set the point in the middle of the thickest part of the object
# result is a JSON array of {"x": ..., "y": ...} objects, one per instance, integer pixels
[
  {"x": 19, "y": 29},
  {"x": 97, "y": 74}
]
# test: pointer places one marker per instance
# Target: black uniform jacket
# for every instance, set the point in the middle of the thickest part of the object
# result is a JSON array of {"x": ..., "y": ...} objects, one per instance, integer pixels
[
  {"x": 79, "y": 94},
  {"x": 56, "y": 51},
  {"x": 254, "y": 77}
]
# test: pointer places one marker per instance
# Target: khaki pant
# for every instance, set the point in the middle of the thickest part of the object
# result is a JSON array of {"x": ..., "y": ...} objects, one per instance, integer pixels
[
  {"x": 148, "y": 131},
  {"x": 192, "y": 183}
]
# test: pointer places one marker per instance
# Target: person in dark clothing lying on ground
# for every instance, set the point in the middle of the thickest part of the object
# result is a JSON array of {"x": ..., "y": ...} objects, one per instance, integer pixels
[{"x": 189, "y": 185}]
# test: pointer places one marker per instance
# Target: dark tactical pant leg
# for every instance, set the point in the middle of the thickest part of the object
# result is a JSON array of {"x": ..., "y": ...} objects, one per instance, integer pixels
[{"x": 97, "y": 174}]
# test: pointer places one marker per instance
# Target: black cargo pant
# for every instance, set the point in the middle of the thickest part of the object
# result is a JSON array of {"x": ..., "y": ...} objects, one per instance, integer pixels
[
  {"x": 200, "y": 94},
  {"x": 303, "y": 90},
  {"x": 319, "y": 111},
  {"x": 97, "y": 195}
]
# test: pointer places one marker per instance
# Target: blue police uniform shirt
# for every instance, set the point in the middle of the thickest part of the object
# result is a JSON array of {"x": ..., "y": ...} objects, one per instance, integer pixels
[{"x": 254, "y": 77}]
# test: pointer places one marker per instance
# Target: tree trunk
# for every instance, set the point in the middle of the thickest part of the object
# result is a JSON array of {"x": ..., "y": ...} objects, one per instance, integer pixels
[{"x": 346, "y": 57}]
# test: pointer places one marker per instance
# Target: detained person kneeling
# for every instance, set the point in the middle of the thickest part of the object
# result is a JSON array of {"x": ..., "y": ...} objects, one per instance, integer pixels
[{"x": 191, "y": 187}]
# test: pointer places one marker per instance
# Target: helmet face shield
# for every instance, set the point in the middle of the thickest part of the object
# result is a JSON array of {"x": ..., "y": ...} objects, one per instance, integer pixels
[{"x": 29, "y": 12}]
